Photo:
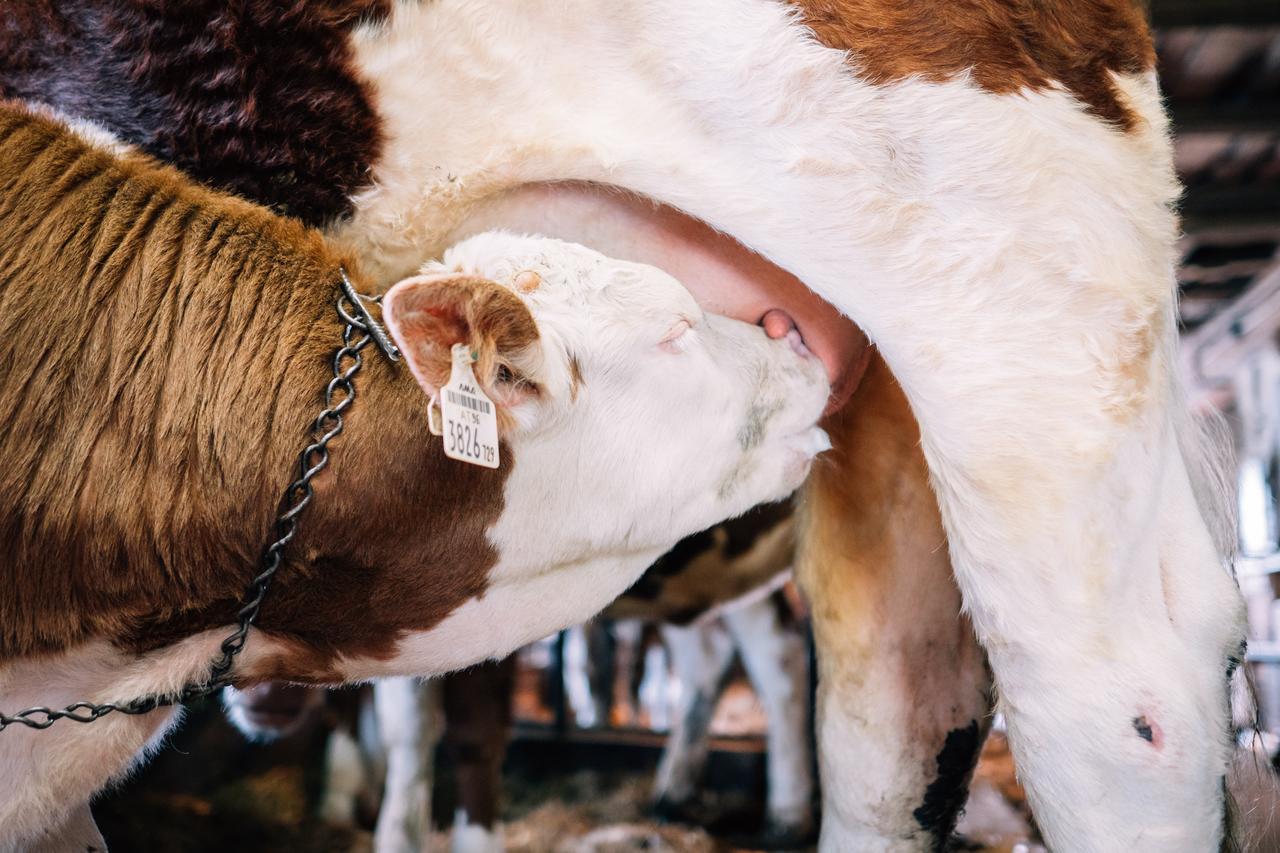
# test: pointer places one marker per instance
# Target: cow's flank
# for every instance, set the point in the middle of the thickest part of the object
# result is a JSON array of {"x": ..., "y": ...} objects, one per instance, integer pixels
[
  {"x": 1005, "y": 46},
  {"x": 257, "y": 97},
  {"x": 166, "y": 347}
]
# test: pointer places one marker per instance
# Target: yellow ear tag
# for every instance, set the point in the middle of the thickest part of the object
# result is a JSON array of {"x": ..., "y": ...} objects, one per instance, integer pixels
[{"x": 469, "y": 418}]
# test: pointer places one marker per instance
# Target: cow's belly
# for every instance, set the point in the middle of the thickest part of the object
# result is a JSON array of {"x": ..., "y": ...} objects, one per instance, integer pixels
[
  {"x": 535, "y": 135},
  {"x": 724, "y": 276}
]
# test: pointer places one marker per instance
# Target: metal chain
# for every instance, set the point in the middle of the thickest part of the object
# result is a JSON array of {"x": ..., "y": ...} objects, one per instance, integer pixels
[{"x": 339, "y": 394}]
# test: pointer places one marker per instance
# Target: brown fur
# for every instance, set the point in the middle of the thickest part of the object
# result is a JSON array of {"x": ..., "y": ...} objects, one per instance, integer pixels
[
  {"x": 256, "y": 96},
  {"x": 873, "y": 561},
  {"x": 466, "y": 308},
  {"x": 1008, "y": 45},
  {"x": 711, "y": 568},
  {"x": 477, "y": 725},
  {"x": 164, "y": 348}
]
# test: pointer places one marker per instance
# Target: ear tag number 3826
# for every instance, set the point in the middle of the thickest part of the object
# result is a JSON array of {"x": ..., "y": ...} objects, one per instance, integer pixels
[{"x": 469, "y": 420}]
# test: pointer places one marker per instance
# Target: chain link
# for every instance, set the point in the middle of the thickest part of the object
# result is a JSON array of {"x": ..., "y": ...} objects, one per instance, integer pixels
[{"x": 359, "y": 330}]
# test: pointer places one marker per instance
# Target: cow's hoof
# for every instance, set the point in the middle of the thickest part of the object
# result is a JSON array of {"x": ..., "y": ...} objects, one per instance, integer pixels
[
  {"x": 779, "y": 835},
  {"x": 667, "y": 810}
]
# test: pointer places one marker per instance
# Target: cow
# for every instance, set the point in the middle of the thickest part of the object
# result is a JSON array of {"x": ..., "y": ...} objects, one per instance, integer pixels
[
  {"x": 166, "y": 348},
  {"x": 1022, "y": 511},
  {"x": 714, "y": 598}
]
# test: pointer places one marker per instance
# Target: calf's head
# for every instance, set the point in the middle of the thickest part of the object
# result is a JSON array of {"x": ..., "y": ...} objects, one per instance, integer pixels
[{"x": 628, "y": 416}]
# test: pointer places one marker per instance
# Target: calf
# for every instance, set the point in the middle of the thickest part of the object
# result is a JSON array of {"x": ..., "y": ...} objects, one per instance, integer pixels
[
  {"x": 164, "y": 350},
  {"x": 719, "y": 585}
]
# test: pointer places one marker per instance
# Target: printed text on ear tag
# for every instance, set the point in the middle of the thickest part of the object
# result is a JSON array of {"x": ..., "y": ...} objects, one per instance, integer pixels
[{"x": 470, "y": 420}]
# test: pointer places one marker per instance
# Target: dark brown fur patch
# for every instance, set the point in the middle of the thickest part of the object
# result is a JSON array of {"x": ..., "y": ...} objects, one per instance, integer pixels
[
  {"x": 477, "y": 711},
  {"x": 708, "y": 569},
  {"x": 259, "y": 97},
  {"x": 1008, "y": 45},
  {"x": 164, "y": 348},
  {"x": 575, "y": 377}
]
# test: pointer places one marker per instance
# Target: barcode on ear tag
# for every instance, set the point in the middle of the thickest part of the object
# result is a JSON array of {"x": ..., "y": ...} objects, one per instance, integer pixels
[{"x": 470, "y": 420}]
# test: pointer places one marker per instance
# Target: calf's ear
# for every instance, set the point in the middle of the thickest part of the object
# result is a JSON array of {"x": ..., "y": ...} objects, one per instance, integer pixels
[{"x": 428, "y": 314}]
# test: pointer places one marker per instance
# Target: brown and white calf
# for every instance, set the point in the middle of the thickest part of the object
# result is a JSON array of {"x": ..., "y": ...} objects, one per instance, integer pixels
[
  {"x": 984, "y": 187},
  {"x": 164, "y": 351},
  {"x": 714, "y": 598}
]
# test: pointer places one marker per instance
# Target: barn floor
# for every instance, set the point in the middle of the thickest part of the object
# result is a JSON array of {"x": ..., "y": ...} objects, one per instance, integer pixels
[{"x": 212, "y": 791}]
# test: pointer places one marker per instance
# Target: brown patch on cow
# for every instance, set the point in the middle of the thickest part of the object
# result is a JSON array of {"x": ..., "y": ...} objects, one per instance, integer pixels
[
  {"x": 575, "y": 377},
  {"x": 1125, "y": 370},
  {"x": 165, "y": 348},
  {"x": 430, "y": 314},
  {"x": 477, "y": 711},
  {"x": 712, "y": 567},
  {"x": 885, "y": 608},
  {"x": 258, "y": 97},
  {"x": 1006, "y": 45}
]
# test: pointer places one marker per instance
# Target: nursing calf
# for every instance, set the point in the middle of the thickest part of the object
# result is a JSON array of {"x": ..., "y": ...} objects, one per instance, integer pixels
[{"x": 165, "y": 348}]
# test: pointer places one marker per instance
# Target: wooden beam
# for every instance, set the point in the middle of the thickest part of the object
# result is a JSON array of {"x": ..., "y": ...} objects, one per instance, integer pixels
[
  {"x": 1213, "y": 353},
  {"x": 1209, "y": 206},
  {"x": 1191, "y": 118},
  {"x": 1213, "y": 13}
]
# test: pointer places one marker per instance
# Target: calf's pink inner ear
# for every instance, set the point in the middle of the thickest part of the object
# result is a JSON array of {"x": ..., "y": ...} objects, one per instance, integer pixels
[{"x": 428, "y": 314}]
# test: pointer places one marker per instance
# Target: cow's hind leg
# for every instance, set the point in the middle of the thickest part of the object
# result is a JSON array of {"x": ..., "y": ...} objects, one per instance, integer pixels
[
  {"x": 775, "y": 656},
  {"x": 408, "y": 725},
  {"x": 1012, "y": 259},
  {"x": 902, "y": 685},
  {"x": 477, "y": 709},
  {"x": 700, "y": 656},
  {"x": 1086, "y": 535}
]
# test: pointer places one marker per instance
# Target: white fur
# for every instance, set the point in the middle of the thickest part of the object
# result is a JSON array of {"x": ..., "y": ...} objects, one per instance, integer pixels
[
  {"x": 408, "y": 725},
  {"x": 1010, "y": 255},
  {"x": 570, "y": 538},
  {"x": 776, "y": 660},
  {"x": 468, "y": 837}
]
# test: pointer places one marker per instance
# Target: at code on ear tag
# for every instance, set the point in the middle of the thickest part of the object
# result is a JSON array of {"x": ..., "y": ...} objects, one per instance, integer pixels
[{"x": 470, "y": 420}]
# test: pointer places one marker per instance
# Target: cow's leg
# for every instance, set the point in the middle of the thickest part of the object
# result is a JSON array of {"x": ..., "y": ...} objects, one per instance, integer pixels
[
  {"x": 1076, "y": 510},
  {"x": 1078, "y": 533},
  {"x": 903, "y": 688},
  {"x": 700, "y": 658},
  {"x": 48, "y": 777},
  {"x": 627, "y": 672},
  {"x": 776, "y": 658},
  {"x": 1012, "y": 258},
  {"x": 344, "y": 779},
  {"x": 588, "y": 673},
  {"x": 407, "y": 730},
  {"x": 477, "y": 709}
]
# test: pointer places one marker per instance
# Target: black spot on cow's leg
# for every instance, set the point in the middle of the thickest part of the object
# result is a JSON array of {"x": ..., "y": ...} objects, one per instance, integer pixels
[
  {"x": 945, "y": 796},
  {"x": 1234, "y": 661},
  {"x": 1230, "y": 841},
  {"x": 1143, "y": 728}
]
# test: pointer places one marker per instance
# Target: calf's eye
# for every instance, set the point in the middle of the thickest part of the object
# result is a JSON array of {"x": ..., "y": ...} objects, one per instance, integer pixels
[{"x": 672, "y": 340}]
